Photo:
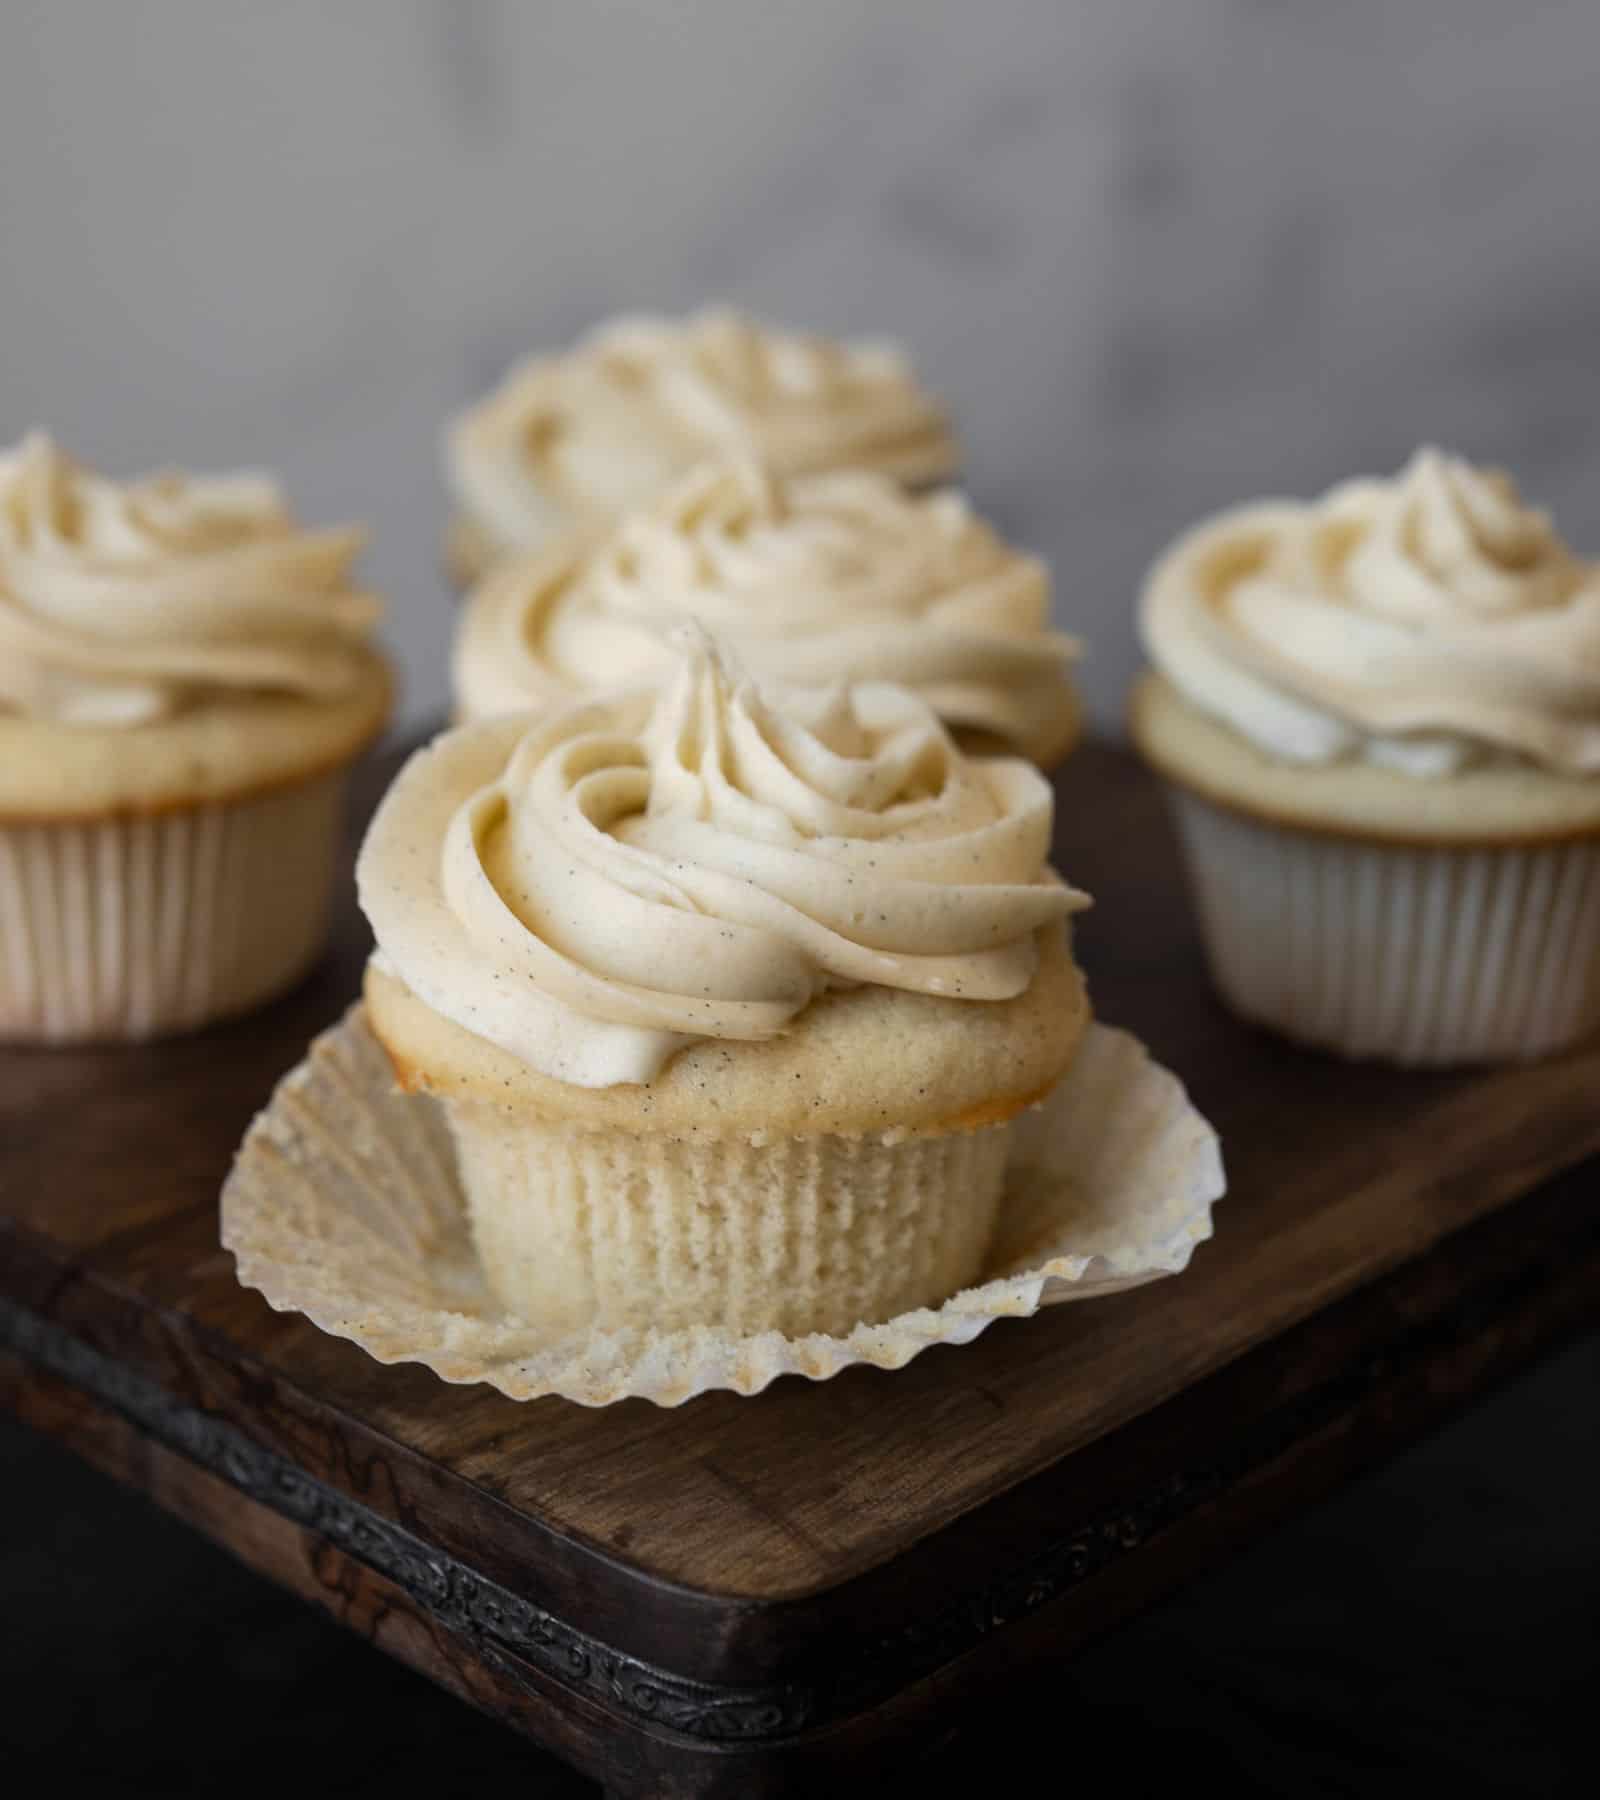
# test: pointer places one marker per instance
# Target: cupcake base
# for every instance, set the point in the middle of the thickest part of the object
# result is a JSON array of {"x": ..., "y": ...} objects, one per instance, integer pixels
[
  {"x": 1421, "y": 955},
  {"x": 582, "y": 1229},
  {"x": 345, "y": 1204},
  {"x": 135, "y": 926}
]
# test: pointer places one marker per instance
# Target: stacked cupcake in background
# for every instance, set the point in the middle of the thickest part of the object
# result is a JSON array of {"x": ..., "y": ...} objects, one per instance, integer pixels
[
  {"x": 812, "y": 579},
  {"x": 1380, "y": 716},
  {"x": 572, "y": 441},
  {"x": 185, "y": 676}
]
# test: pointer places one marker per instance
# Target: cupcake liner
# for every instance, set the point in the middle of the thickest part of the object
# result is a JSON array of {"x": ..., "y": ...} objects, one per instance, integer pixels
[
  {"x": 1415, "y": 954},
  {"x": 814, "y": 1233},
  {"x": 134, "y": 926},
  {"x": 344, "y": 1204}
]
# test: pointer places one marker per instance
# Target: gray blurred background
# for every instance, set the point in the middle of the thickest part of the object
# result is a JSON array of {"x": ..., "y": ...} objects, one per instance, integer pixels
[{"x": 1157, "y": 256}]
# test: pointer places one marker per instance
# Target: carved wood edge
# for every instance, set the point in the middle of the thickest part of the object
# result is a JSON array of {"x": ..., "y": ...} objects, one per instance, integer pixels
[
  {"x": 464, "y": 1601},
  {"x": 647, "y": 1696}
]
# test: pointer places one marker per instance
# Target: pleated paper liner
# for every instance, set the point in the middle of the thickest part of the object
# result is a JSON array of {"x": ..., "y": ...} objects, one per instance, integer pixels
[
  {"x": 133, "y": 927},
  {"x": 344, "y": 1205},
  {"x": 1423, "y": 955}
]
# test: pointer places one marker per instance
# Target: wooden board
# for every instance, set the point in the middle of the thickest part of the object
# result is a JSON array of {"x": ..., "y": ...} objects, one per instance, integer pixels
[{"x": 736, "y": 1596}]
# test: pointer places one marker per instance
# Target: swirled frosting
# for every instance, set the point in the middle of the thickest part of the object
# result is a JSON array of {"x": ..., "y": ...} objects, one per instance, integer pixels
[
  {"x": 124, "y": 603},
  {"x": 1423, "y": 623},
  {"x": 580, "y": 437},
  {"x": 597, "y": 888},
  {"x": 820, "y": 579}
]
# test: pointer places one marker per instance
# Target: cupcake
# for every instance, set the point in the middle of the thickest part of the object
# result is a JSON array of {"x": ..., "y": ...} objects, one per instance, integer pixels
[
  {"x": 185, "y": 675},
  {"x": 815, "y": 579},
  {"x": 1379, "y": 714},
  {"x": 730, "y": 995},
  {"x": 576, "y": 439}
]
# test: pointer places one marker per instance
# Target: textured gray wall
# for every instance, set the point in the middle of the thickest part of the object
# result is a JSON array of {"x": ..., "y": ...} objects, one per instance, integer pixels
[{"x": 1159, "y": 256}]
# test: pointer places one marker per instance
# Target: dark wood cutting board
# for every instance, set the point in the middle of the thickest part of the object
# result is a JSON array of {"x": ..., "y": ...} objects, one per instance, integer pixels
[{"x": 747, "y": 1597}]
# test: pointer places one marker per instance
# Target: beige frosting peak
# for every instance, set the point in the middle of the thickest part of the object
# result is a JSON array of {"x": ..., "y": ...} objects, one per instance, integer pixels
[
  {"x": 817, "y": 579},
  {"x": 595, "y": 889},
  {"x": 1422, "y": 622},
  {"x": 580, "y": 437},
  {"x": 121, "y": 603}
]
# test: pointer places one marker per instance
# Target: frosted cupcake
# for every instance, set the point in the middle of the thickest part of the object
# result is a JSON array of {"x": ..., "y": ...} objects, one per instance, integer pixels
[
  {"x": 185, "y": 675},
  {"x": 814, "y": 579},
  {"x": 731, "y": 997},
  {"x": 1380, "y": 714},
  {"x": 573, "y": 440}
]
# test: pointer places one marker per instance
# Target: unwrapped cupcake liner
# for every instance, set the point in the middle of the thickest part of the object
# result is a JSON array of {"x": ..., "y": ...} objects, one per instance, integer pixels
[
  {"x": 135, "y": 926},
  {"x": 1415, "y": 954},
  {"x": 344, "y": 1204}
]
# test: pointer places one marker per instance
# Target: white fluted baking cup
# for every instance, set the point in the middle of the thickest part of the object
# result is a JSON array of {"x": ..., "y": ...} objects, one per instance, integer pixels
[
  {"x": 1418, "y": 954},
  {"x": 131, "y": 927},
  {"x": 344, "y": 1205}
]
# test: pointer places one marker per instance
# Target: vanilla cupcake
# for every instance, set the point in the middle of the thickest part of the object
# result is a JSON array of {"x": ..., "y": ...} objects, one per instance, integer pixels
[
  {"x": 573, "y": 440},
  {"x": 184, "y": 677},
  {"x": 814, "y": 579},
  {"x": 731, "y": 996},
  {"x": 1380, "y": 716}
]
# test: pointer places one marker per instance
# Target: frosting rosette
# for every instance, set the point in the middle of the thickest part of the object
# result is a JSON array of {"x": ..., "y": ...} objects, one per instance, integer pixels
[
  {"x": 123, "y": 603},
  {"x": 582, "y": 436},
  {"x": 1422, "y": 623},
  {"x": 598, "y": 887},
  {"x": 815, "y": 580}
]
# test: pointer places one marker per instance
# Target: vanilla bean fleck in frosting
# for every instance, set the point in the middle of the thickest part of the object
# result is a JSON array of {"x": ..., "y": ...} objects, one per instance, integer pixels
[
  {"x": 816, "y": 580},
  {"x": 123, "y": 603},
  {"x": 579, "y": 437},
  {"x": 1423, "y": 623},
  {"x": 597, "y": 888}
]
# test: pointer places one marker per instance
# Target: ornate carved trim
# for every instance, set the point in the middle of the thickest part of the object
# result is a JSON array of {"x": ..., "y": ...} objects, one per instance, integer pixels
[
  {"x": 461, "y": 1599},
  {"x": 484, "y": 1612}
]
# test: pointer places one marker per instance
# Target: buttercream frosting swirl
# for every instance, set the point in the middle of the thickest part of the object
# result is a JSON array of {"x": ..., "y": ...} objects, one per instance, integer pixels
[
  {"x": 122, "y": 603},
  {"x": 599, "y": 887},
  {"x": 582, "y": 436},
  {"x": 819, "y": 579},
  {"x": 1425, "y": 622}
]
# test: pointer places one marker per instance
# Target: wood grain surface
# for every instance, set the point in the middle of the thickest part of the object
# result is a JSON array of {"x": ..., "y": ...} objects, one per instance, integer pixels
[{"x": 825, "y": 1559}]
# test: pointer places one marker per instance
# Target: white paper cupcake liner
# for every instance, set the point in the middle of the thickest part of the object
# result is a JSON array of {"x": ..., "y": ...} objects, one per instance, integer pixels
[
  {"x": 344, "y": 1205},
  {"x": 132, "y": 927},
  {"x": 1415, "y": 954}
]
